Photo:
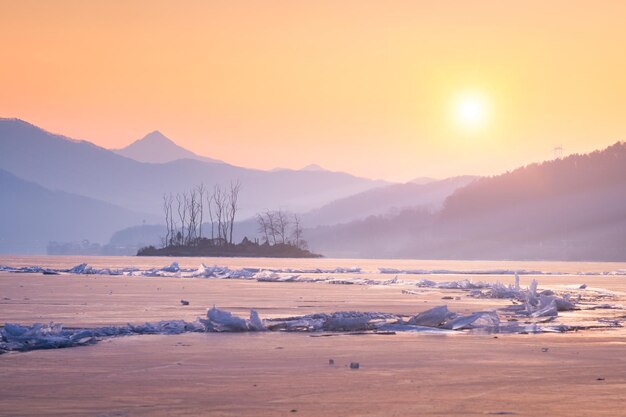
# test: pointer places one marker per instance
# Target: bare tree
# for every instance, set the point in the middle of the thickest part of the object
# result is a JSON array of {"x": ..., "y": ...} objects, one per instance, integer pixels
[
  {"x": 232, "y": 200},
  {"x": 172, "y": 225},
  {"x": 297, "y": 232},
  {"x": 282, "y": 227},
  {"x": 167, "y": 210},
  {"x": 192, "y": 208},
  {"x": 263, "y": 226},
  {"x": 181, "y": 200},
  {"x": 201, "y": 190},
  {"x": 220, "y": 199},
  {"x": 282, "y": 223},
  {"x": 271, "y": 224},
  {"x": 209, "y": 202},
  {"x": 222, "y": 205}
]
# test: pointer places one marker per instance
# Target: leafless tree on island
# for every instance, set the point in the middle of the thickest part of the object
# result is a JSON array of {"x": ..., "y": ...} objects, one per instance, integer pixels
[
  {"x": 233, "y": 197},
  {"x": 222, "y": 206},
  {"x": 281, "y": 227}
]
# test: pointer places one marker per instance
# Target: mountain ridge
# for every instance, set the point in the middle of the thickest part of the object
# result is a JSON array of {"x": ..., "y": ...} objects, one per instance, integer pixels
[{"x": 82, "y": 168}]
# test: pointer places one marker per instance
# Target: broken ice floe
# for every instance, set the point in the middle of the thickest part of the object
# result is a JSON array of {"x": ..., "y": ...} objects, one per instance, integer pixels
[
  {"x": 265, "y": 275},
  {"x": 174, "y": 270},
  {"x": 536, "y": 307},
  {"x": 492, "y": 272},
  {"x": 539, "y": 305},
  {"x": 14, "y": 337}
]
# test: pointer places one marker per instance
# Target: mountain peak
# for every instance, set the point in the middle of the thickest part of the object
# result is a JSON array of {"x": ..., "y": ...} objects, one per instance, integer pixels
[
  {"x": 157, "y": 148},
  {"x": 313, "y": 167},
  {"x": 155, "y": 136}
]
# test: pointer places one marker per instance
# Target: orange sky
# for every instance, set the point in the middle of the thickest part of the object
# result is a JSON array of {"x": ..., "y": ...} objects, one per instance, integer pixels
[{"x": 360, "y": 86}]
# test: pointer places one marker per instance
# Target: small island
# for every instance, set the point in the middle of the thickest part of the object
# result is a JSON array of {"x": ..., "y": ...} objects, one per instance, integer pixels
[
  {"x": 245, "y": 249},
  {"x": 281, "y": 231}
]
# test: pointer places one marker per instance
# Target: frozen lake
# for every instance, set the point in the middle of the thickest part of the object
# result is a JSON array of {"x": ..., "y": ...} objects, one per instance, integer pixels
[{"x": 273, "y": 373}]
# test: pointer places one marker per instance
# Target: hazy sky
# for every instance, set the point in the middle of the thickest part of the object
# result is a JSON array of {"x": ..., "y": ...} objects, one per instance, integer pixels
[{"x": 389, "y": 90}]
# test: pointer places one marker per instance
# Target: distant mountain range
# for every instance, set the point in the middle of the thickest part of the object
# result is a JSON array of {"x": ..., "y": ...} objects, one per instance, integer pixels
[
  {"x": 156, "y": 148},
  {"x": 80, "y": 168},
  {"x": 567, "y": 209},
  {"x": 59, "y": 189},
  {"x": 83, "y": 168}
]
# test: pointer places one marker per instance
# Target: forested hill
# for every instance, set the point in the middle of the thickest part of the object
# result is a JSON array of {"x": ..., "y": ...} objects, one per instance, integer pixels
[
  {"x": 575, "y": 174},
  {"x": 565, "y": 209}
]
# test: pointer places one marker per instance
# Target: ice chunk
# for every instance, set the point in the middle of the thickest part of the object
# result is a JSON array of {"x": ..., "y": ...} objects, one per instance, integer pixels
[
  {"x": 310, "y": 323},
  {"x": 563, "y": 304},
  {"x": 499, "y": 290},
  {"x": 266, "y": 276},
  {"x": 338, "y": 321},
  {"x": 432, "y": 318},
  {"x": 255, "y": 324},
  {"x": 426, "y": 283},
  {"x": 40, "y": 336},
  {"x": 80, "y": 269},
  {"x": 172, "y": 268},
  {"x": 224, "y": 321},
  {"x": 202, "y": 271},
  {"x": 547, "y": 310},
  {"x": 161, "y": 327},
  {"x": 347, "y": 322},
  {"x": 482, "y": 319}
]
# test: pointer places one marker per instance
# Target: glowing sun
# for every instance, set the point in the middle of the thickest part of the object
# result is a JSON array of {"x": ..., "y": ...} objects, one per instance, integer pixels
[{"x": 470, "y": 111}]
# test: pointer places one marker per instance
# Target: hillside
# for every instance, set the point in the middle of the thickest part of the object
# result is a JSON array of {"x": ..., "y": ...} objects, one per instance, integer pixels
[
  {"x": 33, "y": 215},
  {"x": 385, "y": 199},
  {"x": 567, "y": 209}
]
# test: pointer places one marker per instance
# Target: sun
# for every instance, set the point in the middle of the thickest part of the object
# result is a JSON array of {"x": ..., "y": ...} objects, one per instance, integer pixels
[{"x": 470, "y": 111}]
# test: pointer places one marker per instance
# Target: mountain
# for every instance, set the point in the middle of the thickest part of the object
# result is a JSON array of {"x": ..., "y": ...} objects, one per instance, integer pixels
[
  {"x": 310, "y": 167},
  {"x": 31, "y": 216},
  {"x": 313, "y": 167},
  {"x": 572, "y": 209},
  {"x": 423, "y": 180},
  {"x": 157, "y": 148},
  {"x": 382, "y": 200},
  {"x": 79, "y": 167},
  {"x": 565, "y": 209}
]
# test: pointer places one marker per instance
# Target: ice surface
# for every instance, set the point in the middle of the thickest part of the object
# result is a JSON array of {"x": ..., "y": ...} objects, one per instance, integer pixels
[{"x": 535, "y": 308}]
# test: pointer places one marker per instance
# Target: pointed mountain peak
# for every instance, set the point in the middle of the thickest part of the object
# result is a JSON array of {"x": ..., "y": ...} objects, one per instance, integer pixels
[
  {"x": 157, "y": 148},
  {"x": 155, "y": 136}
]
